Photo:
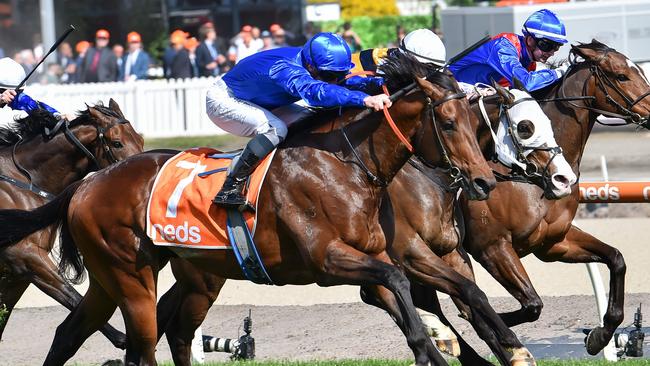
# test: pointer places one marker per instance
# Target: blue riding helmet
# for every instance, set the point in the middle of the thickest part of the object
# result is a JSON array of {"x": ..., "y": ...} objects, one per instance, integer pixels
[
  {"x": 544, "y": 24},
  {"x": 327, "y": 52}
]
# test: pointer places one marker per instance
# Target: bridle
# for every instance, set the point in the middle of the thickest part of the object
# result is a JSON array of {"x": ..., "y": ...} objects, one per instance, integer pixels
[
  {"x": 527, "y": 172},
  {"x": 603, "y": 82},
  {"x": 49, "y": 133},
  {"x": 458, "y": 178}
]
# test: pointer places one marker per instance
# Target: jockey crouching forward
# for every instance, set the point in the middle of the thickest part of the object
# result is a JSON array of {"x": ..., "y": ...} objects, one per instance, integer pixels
[
  {"x": 509, "y": 55},
  {"x": 11, "y": 74},
  {"x": 240, "y": 101},
  {"x": 422, "y": 44}
]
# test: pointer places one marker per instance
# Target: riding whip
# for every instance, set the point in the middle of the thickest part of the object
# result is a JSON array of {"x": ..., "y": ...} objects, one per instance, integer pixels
[{"x": 52, "y": 49}]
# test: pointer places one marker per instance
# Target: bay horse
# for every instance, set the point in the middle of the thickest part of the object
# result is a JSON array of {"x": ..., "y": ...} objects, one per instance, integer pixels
[
  {"x": 516, "y": 220},
  {"x": 303, "y": 235},
  {"x": 418, "y": 239},
  {"x": 39, "y": 157}
]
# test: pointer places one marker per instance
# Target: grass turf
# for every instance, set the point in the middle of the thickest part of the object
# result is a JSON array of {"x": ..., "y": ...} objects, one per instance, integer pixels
[{"x": 220, "y": 142}]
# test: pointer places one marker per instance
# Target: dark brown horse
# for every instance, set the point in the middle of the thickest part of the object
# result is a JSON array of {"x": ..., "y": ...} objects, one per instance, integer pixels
[
  {"x": 515, "y": 221},
  {"x": 33, "y": 149},
  {"x": 419, "y": 238},
  {"x": 518, "y": 222},
  {"x": 303, "y": 235}
]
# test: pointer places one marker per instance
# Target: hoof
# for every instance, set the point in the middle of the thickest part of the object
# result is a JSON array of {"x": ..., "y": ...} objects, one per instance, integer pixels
[
  {"x": 595, "y": 341},
  {"x": 522, "y": 357},
  {"x": 448, "y": 346}
]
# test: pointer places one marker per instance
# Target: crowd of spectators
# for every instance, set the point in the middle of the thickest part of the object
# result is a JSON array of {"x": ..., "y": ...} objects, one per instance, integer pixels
[{"x": 187, "y": 55}]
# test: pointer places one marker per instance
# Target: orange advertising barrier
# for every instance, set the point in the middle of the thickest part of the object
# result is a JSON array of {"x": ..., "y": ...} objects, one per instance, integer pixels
[{"x": 614, "y": 192}]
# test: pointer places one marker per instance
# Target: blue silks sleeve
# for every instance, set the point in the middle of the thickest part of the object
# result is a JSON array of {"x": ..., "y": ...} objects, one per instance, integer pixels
[
  {"x": 363, "y": 84},
  {"x": 297, "y": 81},
  {"x": 505, "y": 59},
  {"x": 24, "y": 102}
]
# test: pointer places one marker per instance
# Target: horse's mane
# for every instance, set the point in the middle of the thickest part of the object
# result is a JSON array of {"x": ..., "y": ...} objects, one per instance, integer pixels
[
  {"x": 36, "y": 121},
  {"x": 400, "y": 70}
]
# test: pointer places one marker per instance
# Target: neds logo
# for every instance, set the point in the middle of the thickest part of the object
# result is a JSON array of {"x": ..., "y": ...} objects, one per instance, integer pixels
[
  {"x": 181, "y": 234},
  {"x": 605, "y": 192}
]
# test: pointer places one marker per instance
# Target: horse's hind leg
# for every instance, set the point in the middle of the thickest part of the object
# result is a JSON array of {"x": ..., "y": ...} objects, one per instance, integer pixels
[
  {"x": 94, "y": 310},
  {"x": 342, "y": 261},
  {"x": 11, "y": 289},
  {"x": 193, "y": 294},
  {"x": 580, "y": 247}
]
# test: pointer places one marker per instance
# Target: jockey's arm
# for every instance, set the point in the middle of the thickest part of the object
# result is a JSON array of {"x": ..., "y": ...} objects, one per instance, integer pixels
[
  {"x": 24, "y": 102},
  {"x": 505, "y": 60},
  {"x": 297, "y": 81},
  {"x": 367, "y": 84}
]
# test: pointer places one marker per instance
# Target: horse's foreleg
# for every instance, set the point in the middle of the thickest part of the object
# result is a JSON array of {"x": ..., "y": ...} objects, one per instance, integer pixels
[
  {"x": 426, "y": 299},
  {"x": 11, "y": 290},
  {"x": 503, "y": 263},
  {"x": 581, "y": 247},
  {"x": 195, "y": 291},
  {"x": 343, "y": 262},
  {"x": 47, "y": 278},
  {"x": 95, "y": 308},
  {"x": 424, "y": 266}
]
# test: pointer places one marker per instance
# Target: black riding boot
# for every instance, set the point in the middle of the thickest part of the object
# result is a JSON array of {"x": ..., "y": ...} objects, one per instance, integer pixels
[{"x": 231, "y": 193}]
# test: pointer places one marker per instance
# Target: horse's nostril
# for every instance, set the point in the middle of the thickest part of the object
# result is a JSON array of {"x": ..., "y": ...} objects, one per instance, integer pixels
[
  {"x": 484, "y": 185},
  {"x": 560, "y": 180}
]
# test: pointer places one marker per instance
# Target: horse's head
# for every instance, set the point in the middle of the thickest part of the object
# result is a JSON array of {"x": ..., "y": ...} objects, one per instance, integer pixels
[
  {"x": 447, "y": 136},
  {"x": 525, "y": 143},
  {"x": 104, "y": 135},
  {"x": 621, "y": 87}
]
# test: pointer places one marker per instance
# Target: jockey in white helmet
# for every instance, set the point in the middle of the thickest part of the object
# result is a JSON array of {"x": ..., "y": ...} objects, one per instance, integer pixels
[
  {"x": 422, "y": 44},
  {"x": 11, "y": 74}
]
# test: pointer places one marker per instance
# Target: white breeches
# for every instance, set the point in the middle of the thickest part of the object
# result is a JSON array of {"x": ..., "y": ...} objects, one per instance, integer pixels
[{"x": 240, "y": 117}]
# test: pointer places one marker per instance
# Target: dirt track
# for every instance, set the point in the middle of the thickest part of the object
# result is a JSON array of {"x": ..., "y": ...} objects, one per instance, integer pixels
[{"x": 315, "y": 331}]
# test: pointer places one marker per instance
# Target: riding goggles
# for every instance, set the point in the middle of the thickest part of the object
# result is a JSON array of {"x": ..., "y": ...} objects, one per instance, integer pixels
[
  {"x": 546, "y": 45},
  {"x": 329, "y": 76}
]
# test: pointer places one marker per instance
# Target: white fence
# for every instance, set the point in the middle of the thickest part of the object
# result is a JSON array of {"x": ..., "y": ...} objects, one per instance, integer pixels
[{"x": 157, "y": 108}]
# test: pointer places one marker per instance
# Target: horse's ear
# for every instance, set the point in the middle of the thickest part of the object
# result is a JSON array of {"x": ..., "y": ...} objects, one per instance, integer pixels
[
  {"x": 507, "y": 97},
  {"x": 429, "y": 89},
  {"x": 112, "y": 104},
  {"x": 97, "y": 115},
  {"x": 517, "y": 84},
  {"x": 587, "y": 53}
]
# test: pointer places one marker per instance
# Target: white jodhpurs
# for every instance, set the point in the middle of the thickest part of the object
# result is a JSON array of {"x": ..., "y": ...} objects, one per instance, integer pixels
[{"x": 240, "y": 117}]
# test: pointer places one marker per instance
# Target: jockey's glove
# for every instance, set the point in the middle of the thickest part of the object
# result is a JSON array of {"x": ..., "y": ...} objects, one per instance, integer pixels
[{"x": 562, "y": 69}]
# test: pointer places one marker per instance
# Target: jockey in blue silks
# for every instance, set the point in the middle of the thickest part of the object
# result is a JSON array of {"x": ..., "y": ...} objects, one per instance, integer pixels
[
  {"x": 11, "y": 74},
  {"x": 509, "y": 55},
  {"x": 241, "y": 100}
]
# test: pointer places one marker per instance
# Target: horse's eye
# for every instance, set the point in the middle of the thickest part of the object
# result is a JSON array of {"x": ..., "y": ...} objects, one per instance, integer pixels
[
  {"x": 622, "y": 77},
  {"x": 117, "y": 145},
  {"x": 525, "y": 129},
  {"x": 448, "y": 125}
]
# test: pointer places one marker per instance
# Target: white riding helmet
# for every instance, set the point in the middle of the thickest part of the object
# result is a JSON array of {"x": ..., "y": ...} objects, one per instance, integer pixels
[
  {"x": 425, "y": 46},
  {"x": 11, "y": 73}
]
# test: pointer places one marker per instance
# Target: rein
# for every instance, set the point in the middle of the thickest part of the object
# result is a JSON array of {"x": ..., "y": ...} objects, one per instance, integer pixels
[
  {"x": 49, "y": 134},
  {"x": 601, "y": 80}
]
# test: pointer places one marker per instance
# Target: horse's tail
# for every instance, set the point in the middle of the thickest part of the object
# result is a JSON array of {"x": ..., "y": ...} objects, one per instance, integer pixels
[{"x": 16, "y": 224}]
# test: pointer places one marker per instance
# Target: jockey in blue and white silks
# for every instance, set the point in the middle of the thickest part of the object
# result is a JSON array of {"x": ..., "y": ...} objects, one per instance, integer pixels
[
  {"x": 509, "y": 55},
  {"x": 241, "y": 100},
  {"x": 11, "y": 74}
]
